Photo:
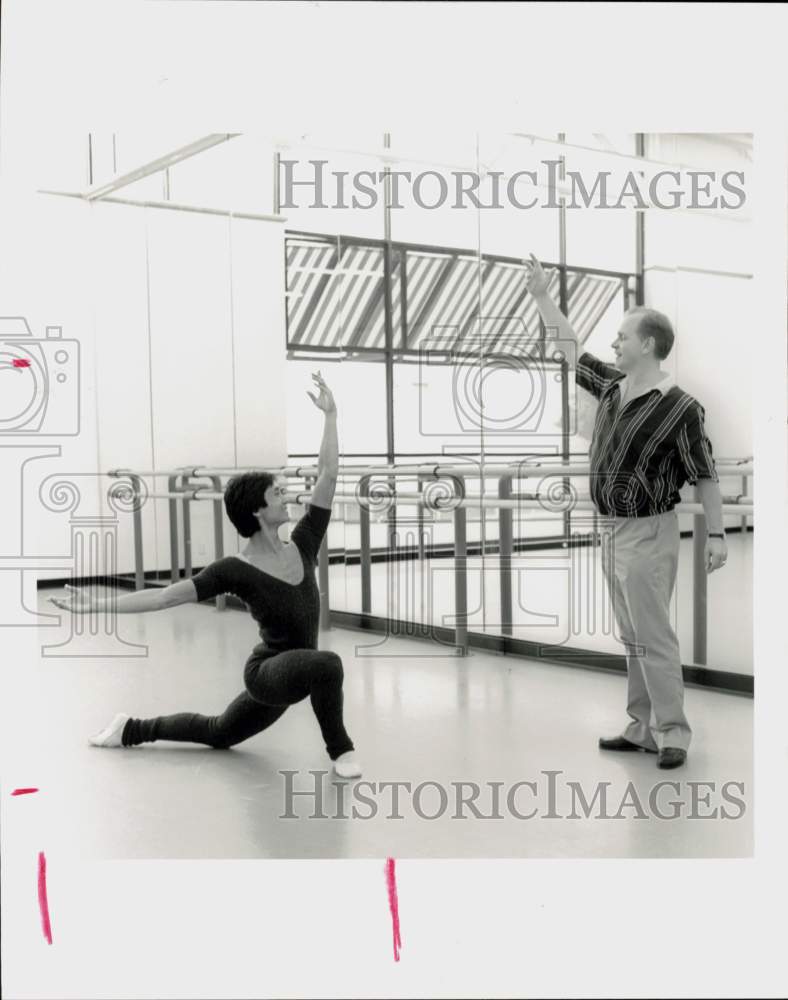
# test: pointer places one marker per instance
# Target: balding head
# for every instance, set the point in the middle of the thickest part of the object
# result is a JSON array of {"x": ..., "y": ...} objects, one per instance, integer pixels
[{"x": 652, "y": 323}]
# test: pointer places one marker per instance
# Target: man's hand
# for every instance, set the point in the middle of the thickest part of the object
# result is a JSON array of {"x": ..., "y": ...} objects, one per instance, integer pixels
[
  {"x": 77, "y": 601},
  {"x": 715, "y": 554},
  {"x": 325, "y": 401},
  {"x": 536, "y": 281}
]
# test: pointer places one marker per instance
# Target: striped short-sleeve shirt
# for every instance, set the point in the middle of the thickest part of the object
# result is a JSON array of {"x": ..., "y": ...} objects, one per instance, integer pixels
[{"x": 643, "y": 452}]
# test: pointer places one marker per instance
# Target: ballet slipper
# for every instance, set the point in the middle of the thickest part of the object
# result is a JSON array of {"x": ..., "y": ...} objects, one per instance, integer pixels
[
  {"x": 112, "y": 735},
  {"x": 346, "y": 765}
]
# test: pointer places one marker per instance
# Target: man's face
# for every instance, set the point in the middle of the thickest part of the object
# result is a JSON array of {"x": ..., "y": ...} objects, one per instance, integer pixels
[
  {"x": 629, "y": 349},
  {"x": 275, "y": 511}
]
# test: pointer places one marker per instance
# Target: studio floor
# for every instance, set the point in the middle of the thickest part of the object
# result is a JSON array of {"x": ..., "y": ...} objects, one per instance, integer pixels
[{"x": 417, "y": 716}]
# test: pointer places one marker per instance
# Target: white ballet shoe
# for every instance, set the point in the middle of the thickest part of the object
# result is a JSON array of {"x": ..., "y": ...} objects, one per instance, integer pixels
[
  {"x": 111, "y": 735},
  {"x": 346, "y": 765}
]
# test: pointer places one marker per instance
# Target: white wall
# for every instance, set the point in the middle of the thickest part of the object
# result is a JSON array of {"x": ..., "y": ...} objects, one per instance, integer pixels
[
  {"x": 697, "y": 268},
  {"x": 44, "y": 277},
  {"x": 191, "y": 352},
  {"x": 697, "y": 272},
  {"x": 181, "y": 325}
]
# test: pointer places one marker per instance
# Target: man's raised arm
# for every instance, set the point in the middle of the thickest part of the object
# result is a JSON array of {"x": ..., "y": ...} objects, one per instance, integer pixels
[{"x": 556, "y": 324}]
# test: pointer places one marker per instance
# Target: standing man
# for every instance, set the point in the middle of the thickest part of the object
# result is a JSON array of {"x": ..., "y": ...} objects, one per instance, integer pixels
[{"x": 649, "y": 439}]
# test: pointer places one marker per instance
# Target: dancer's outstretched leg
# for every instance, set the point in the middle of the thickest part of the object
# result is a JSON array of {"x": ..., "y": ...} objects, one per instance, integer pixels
[
  {"x": 273, "y": 682},
  {"x": 244, "y": 717},
  {"x": 289, "y": 677}
]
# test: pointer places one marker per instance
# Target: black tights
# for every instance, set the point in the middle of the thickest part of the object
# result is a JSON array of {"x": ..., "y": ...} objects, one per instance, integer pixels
[{"x": 273, "y": 683}]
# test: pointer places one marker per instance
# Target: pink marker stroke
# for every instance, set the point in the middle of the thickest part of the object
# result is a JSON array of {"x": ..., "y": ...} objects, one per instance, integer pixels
[
  {"x": 391, "y": 882},
  {"x": 21, "y": 363},
  {"x": 24, "y": 791},
  {"x": 43, "y": 904}
]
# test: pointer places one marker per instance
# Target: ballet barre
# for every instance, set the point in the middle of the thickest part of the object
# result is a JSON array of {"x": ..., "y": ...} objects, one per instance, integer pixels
[
  {"x": 505, "y": 504},
  {"x": 440, "y": 489},
  {"x": 524, "y": 469},
  {"x": 743, "y": 504}
]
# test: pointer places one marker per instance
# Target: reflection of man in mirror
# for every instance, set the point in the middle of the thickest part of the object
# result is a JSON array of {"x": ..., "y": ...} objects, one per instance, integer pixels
[{"x": 648, "y": 440}]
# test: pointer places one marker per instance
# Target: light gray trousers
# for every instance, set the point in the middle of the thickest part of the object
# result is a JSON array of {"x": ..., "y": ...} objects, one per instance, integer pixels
[{"x": 640, "y": 564}]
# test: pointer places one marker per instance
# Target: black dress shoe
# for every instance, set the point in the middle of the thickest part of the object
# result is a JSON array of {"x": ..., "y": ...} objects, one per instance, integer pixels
[
  {"x": 671, "y": 757},
  {"x": 621, "y": 743}
]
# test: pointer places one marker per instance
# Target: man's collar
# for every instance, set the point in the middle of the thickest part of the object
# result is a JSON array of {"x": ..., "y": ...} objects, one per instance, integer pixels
[
  {"x": 663, "y": 386},
  {"x": 667, "y": 383}
]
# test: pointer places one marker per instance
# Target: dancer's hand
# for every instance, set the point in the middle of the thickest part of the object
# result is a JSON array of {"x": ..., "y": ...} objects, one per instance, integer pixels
[
  {"x": 325, "y": 401},
  {"x": 78, "y": 601},
  {"x": 536, "y": 280},
  {"x": 715, "y": 554}
]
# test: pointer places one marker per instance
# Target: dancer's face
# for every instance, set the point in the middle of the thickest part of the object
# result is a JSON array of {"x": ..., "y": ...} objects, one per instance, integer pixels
[
  {"x": 630, "y": 350},
  {"x": 275, "y": 511}
]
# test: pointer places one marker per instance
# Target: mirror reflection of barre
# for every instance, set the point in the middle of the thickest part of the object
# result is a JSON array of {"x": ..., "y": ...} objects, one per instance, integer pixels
[
  {"x": 442, "y": 489},
  {"x": 494, "y": 383}
]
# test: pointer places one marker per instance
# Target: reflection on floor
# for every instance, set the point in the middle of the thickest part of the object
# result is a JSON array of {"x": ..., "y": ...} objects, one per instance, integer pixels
[
  {"x": 551, "y": 598},
  {"x": 417, "y": 715}
]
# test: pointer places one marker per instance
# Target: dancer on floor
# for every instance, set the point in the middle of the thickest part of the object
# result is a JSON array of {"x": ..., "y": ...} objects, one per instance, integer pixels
[
  {"x": 649, "y": 439},
  {"x": 276, "y": 580}
]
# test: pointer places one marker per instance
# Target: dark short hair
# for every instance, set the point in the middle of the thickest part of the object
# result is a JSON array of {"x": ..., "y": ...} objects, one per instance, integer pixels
[
  {"x": 657, "y": 325},
  {"x": 243, "y": 495}
]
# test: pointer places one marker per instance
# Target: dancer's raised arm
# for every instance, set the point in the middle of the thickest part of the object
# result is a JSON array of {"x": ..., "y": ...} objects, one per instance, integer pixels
[{"x": 328, "y": 459}]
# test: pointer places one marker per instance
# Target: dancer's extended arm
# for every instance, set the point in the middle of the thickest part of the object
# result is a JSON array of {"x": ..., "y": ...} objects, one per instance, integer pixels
[{"x": 82, "y": 602}]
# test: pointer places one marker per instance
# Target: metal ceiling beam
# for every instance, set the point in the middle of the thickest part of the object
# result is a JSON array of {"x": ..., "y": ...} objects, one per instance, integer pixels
[
  {"x": 161, "y": 163},
  {"x": 172, "y": 206}
]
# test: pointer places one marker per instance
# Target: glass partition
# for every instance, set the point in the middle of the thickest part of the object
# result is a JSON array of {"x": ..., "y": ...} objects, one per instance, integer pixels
[{"x": 436, "y": 351}]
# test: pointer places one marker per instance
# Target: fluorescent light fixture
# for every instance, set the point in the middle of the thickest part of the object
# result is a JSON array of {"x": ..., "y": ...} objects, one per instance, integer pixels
[
  {"x": 328, "y": 354},
  {"x": 334, "y": 271},
  {"x": 615, "y": 160},
  {"x": 442, "y": 256}
]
